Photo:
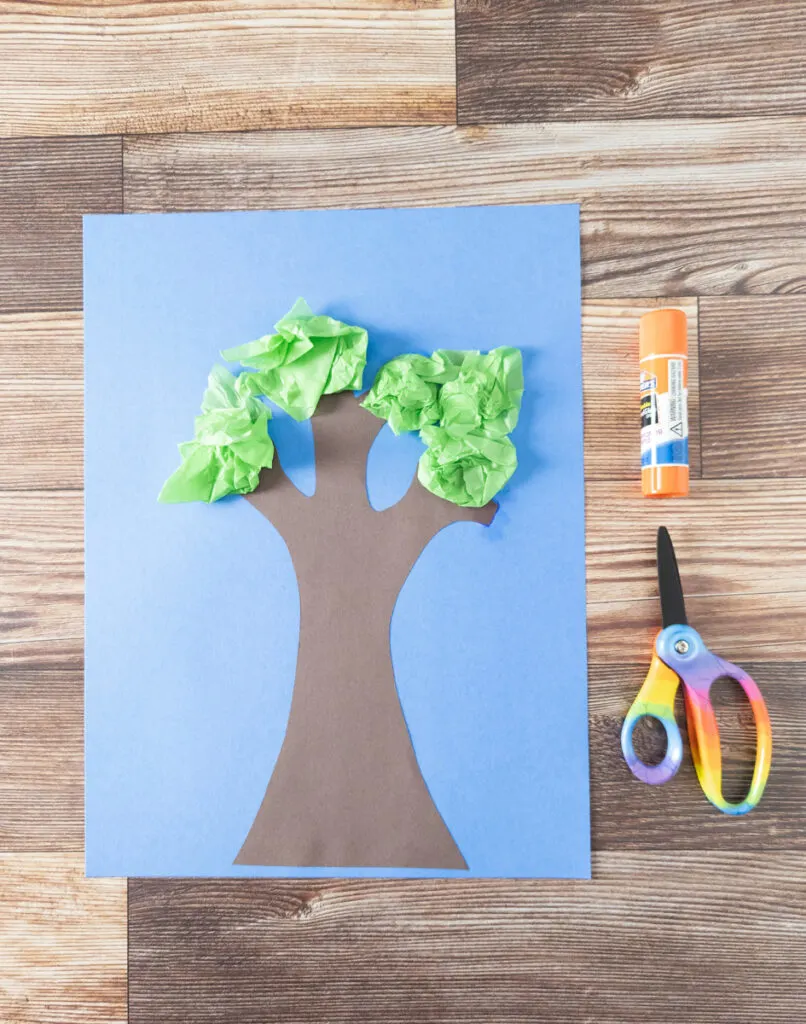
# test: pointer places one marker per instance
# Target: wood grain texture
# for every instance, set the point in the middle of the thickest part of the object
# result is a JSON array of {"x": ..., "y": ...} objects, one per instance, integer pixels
[
  {"x": 668, "y": 208},
  {"x": 145, "y": 66},
  {"x": 742, "y": 561},
  {"x": 45, "y": 187},
  {"x": 42, "y": 533},
  {"x": 62, "y": 942},
  {"x": 610, "y": 383},
  {"x": 542, "y": 60},
  {"x": 41, "y": 567},
  {"x": 741, "y": 627},
  {"x": 41, "y": 607},
  {"x": 754, "y": 415},
  {"x": 733, "y": 537},
  {"x": 41, "y": 397},
  {"x": 621, "y": 950},
  {"x": 41, "y": 747}
]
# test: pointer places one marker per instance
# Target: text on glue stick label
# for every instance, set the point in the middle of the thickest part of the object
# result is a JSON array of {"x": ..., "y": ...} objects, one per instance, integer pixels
[{"x": 664, "y": 412}]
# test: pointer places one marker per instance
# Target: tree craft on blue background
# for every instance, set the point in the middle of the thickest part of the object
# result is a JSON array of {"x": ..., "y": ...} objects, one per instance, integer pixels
[{"x": 346, "y": 790}]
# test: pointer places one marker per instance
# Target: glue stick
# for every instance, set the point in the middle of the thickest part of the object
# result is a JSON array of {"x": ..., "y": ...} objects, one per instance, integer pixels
[{"x": 663, "y": 352}]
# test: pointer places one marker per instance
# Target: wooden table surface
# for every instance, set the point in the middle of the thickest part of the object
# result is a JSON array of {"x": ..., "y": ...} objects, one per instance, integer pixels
[{"x": 680, "y": 126}]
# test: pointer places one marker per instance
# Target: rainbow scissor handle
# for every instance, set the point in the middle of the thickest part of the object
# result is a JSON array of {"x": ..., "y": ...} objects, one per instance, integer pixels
[{"x": 681, "y": 656}]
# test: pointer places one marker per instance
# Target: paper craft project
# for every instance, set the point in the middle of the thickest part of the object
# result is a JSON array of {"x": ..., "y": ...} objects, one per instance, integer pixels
[
  {"x": 349, "y": 638},
  {"x": 367, "y": 800}
]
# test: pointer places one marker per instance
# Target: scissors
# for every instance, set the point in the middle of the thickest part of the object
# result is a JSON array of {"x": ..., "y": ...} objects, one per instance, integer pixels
[{"x": 681, "y": 656}]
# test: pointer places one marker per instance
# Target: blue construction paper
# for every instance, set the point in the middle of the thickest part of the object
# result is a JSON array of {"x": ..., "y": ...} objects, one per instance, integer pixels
[{"x": 192, "y": 611}]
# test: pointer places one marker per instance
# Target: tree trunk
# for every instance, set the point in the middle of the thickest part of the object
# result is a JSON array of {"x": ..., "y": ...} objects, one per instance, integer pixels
[{"x": 346, "y": 790}]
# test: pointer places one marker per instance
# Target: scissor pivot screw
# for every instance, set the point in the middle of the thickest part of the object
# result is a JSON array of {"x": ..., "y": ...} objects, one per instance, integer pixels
[{"x": 681, "y": 646}]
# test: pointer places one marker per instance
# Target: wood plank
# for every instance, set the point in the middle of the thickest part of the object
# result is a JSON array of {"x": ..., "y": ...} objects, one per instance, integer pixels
[
  {"x": 62, "y": 942},
  {"x": 733, "y": 537},
  {"x": 42, "y": 533},
  {"x": 626, "y": 814},
  {"x": 149, "y": 66},
  {"x": 740, "y": 627},
  {"x": 41, "y": 747},
  {"x": 741, "y": 554},
  {"x": 41, "y": 546},
  {"x": 42, "y": 395},
  {"x": 754, "y": 362},
  {"x": 41, "y": 566},
  {"x": 41, "y": 607},
  {"x": 619, "y": 950},
  {"x": 539, "y": 60},
  {"x": 45, "y": 187},
  {"x": 668, "y": 208},
  {"x": 610, "y": 383}
]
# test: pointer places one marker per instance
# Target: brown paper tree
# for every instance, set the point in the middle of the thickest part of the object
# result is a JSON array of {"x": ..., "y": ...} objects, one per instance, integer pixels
[{"x": 346, "y": 789}]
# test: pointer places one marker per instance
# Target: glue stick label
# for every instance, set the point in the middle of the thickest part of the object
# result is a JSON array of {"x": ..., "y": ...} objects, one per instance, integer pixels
[{"x": 664, "y": 411}]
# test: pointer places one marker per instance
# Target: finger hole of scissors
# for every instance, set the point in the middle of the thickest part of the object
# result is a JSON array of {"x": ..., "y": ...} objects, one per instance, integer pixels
[
  {"x": 649, "y": 740},
  {"x": 658, "y": 773},
  {"x": 737, "y": 736}
]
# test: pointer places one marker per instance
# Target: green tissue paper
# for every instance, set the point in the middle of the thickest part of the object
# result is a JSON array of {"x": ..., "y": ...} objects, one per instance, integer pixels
[
  {"x": 308, "y": 356},
  {"x": 468, "y": 470},
  {"x": 406, "y": 390},
  {"x": 231, "y": 445},
  {"x": 464, "y": 404},
  {"x": 485, "y": 394}
]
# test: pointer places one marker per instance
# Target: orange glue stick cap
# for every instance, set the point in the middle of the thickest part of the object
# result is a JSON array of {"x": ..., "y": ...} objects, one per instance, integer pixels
[{"x": 663, "y": 332}]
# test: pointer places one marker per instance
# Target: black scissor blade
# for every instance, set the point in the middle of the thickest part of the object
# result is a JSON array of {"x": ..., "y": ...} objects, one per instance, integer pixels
[{"x": 672, "y": 605}]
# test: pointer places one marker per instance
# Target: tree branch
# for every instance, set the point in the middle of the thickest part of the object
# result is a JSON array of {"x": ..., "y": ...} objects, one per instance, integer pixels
[
  {"x": 343, "y": 432},
  {"x": 277, "y": 498},
  {"x": 420, "y": 509}
]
